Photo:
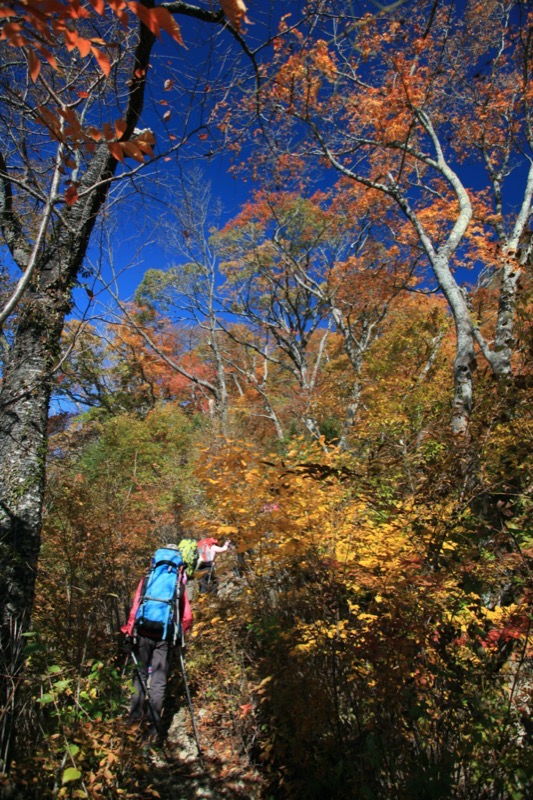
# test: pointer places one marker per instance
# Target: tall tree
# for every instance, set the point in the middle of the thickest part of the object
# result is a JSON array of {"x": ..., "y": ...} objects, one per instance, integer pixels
[
  {"x": 328, "y": 254},
  {"x": 261, "y": 254},
  {"x": 188, "y": 291},
  {"x": 433, "y": 110}
]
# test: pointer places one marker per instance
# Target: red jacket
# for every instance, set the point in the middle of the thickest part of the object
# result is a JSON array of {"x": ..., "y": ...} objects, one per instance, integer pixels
[{"x": 185, "y": 610}]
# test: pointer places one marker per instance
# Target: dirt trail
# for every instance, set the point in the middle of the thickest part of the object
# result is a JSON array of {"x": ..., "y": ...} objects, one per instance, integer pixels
[{"x": 176, "y": 773}]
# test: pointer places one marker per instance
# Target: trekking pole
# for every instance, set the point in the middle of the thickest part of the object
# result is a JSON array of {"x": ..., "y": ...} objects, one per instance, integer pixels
[
  {"x": 187, "y": 692},
  {"x": 128, "y": 656},
  {"x": 125, "y": 667}
]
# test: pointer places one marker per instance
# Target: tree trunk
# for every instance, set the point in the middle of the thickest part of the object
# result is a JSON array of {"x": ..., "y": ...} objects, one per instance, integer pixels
[
  {"x": 351, "y": 412},
  {"x": 25, "y": 397},
  {"x": 517, "y": 257},
  {"x": 464, "y": 364},
  {"x": 464, "y": 367},
  {"x": 23, "y": 418},
  {"x": 222, "y": 399},
  {"x": 355, "y": 350},
  {"x": 500, "y": 359},
  {"x": 24, "y": 404}
]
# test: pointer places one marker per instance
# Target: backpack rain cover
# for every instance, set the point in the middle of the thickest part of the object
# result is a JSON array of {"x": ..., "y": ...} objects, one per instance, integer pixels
[{"x": 156, "y": 613}]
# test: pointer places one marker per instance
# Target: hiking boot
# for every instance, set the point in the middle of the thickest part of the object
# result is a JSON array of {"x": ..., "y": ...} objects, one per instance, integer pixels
[
  {"x": 133, "y": 724},
  {"x": 152, "y": 737}
]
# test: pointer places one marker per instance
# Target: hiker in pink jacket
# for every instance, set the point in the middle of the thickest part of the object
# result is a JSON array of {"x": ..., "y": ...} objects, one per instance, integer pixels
[{"x": 208, "y": 549}]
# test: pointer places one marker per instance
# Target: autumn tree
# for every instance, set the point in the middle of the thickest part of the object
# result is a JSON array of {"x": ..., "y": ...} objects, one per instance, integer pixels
[
  {"x": 405, "y": 105},
  {"x": 188, "y": 290},
  {"x": 381, "y": 599},
  {"x": 340, "y": 254},
  {"x": 194, "y": 297},
  {"x": 267, "y": 294},
  {"x": 110, "y": 368}
]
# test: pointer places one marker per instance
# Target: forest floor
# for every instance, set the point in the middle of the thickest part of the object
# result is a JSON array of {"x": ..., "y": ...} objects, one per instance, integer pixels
[{"x": 174, "y": 770}]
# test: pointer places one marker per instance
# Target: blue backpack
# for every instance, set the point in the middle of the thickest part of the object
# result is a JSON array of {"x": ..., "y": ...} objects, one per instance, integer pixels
[{"x": 157, "y": 614}]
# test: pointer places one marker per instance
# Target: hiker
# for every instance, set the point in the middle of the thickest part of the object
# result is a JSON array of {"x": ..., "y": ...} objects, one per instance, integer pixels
[
  {"x": 208, "y": 549},
  {"x": 159, "y": 617}
]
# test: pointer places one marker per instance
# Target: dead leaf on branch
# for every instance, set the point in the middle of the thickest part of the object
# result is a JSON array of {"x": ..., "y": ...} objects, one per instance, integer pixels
[
  {"x": 157, "y": 19},
  {"x": 235, "y": 11},
  {"x": 34, "y": 65},
  {"x": 71, "y": 194}
]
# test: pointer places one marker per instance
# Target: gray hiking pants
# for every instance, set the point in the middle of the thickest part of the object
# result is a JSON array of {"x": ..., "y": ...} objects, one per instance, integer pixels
[{"x": 154, "y": 654}]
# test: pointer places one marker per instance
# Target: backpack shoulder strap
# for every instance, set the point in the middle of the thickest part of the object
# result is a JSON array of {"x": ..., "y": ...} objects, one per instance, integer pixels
[
  {"x": 144, "y": 584},
  {"x": 179, "y": 590}
]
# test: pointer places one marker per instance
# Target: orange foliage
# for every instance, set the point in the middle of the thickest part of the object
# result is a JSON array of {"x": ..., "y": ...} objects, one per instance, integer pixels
[{"x": 38, "y": 24}]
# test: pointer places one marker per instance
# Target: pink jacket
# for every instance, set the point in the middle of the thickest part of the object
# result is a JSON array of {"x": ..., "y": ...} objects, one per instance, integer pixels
[{"x": 185, "y": 610}]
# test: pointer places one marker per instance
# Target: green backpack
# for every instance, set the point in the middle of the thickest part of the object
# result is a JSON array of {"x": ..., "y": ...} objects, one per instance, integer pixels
[{"x": 189, "y": 552}]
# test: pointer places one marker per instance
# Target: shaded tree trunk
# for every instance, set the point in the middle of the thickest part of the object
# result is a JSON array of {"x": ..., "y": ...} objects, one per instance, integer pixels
[
  {"x": 25, "y": 397},
  {"x": 24, "y": 404}
]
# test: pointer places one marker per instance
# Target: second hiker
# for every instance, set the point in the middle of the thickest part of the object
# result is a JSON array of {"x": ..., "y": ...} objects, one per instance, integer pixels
[{"x": 208, "y": 549}]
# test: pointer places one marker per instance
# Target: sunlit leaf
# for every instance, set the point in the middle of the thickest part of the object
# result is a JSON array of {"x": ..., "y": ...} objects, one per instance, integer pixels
[{"x": 70, "y": 774}]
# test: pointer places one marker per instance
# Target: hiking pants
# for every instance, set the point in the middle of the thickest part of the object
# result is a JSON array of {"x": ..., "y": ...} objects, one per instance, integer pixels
[
  {"x": 207, "y": 581},
  {"x": 155, "y": 654}
]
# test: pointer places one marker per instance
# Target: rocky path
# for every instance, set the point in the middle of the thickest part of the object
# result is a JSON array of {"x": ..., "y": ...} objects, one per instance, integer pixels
[{"x": 175, "y": 771}]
